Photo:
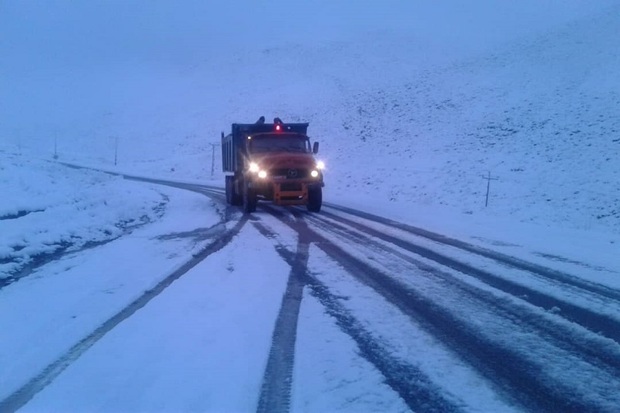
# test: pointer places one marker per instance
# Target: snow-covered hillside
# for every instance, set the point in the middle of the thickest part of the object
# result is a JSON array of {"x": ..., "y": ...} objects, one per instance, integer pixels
[{"x": 413, "y": 102}]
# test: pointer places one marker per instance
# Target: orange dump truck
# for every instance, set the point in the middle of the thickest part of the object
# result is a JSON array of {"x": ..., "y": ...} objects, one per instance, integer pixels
[{"x": 273, "y": 162}]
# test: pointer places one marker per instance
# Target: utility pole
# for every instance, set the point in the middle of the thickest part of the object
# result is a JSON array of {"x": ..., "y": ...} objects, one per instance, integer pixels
[
  {"x": 115, "y": 150},
  {"x": 489, "y": 179},
  {"x": 213, "y": 145}
]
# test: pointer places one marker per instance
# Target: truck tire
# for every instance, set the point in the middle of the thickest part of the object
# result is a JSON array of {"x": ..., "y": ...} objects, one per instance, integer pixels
[
  {"x": 236, "y": 197},
  {"x": 315, "y": 198},
  {"x": 249, "y": 199},
  {"x": 232, "y": 195},
  {"x": 229, "y": 189}
]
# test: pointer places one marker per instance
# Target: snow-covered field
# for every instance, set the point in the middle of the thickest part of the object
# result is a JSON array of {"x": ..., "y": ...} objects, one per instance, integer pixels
[{"x": 414, "y": 104}]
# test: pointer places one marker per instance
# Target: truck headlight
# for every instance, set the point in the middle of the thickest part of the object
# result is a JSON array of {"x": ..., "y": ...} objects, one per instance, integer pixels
[
  {"x": 314, "y": 173},
  {"x": 320, "y": 165},
  {"x": 262, "y": 174},
  {"x": 254, "y": 167}
]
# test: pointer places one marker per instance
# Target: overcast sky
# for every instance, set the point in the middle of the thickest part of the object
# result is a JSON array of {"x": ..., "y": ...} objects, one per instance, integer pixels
[{"x": 68, "y": 65}]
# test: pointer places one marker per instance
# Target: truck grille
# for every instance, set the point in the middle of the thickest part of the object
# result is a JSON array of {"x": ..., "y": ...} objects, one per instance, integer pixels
[{"x": 291, "y": 173}]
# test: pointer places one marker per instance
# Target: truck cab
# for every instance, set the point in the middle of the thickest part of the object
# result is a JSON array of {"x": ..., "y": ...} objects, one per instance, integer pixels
[{"x": 272, "y": 162}]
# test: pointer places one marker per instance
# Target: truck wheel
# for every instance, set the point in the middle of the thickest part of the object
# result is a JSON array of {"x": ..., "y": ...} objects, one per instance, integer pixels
[
  {"x": 249, "y": 199},
  {"x": 233, "y": 197},
  {"x": 315, "y": 199},
  {"x": 229, "y": 189}
]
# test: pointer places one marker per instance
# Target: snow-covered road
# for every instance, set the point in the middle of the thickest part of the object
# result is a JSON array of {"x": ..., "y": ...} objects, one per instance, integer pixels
[{"x": 286, "y": 310}]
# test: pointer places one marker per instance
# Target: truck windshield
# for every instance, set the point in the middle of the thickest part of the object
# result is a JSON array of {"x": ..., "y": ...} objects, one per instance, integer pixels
[{"x": 279, "y": 143}]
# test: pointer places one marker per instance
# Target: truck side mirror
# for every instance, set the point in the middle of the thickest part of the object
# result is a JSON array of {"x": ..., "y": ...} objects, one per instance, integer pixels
[{"x": 315, "y": 148}]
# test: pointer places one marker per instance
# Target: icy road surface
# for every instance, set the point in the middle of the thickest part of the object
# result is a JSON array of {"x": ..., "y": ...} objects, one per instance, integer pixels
[{"x": 284, "y": 310}]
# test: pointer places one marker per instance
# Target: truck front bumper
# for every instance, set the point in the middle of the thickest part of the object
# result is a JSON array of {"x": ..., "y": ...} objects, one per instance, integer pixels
[{"x": 285, "y": 192}]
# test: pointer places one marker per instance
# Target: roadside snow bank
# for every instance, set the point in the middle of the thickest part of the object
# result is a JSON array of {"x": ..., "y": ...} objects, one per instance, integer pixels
[{"x": 47, "y": 208}]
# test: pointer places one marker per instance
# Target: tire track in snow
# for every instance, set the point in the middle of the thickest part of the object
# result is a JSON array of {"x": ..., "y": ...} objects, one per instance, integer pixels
[
  {"x": 514, "y": 262},
  {"x": 21, "y": 396},
  {"x": 596, "y": 350},
  {"x": 412, "y": 385},
  {"x": 595, "y": 322},
  {"x": 515, "y": 376},
  {"x": 275, "y": 394}
]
